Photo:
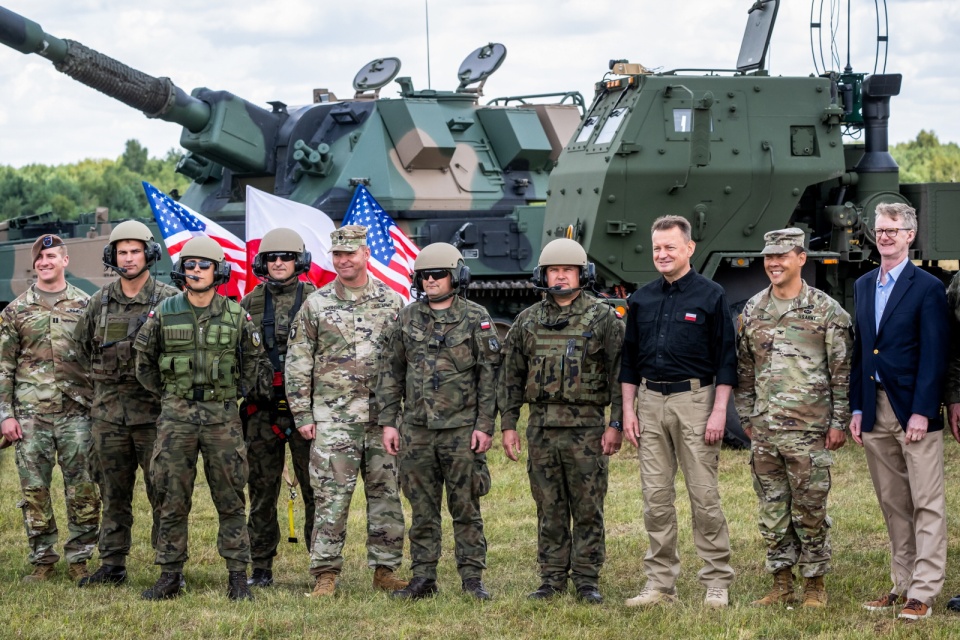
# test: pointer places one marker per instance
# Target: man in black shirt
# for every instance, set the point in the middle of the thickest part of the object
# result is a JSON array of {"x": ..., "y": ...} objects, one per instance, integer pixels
[{"x": 679, "y": 364}]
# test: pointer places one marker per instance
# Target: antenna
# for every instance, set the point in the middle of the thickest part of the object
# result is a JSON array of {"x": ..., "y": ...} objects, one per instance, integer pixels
[{"x": 426, "y": 13}]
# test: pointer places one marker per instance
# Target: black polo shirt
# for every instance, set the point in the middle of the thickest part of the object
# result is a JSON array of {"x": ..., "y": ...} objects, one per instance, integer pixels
[{"x": 679, "y": 331}]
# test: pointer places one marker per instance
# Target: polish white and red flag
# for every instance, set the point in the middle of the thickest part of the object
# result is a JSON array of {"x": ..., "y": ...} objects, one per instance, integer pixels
[
  {"x": 266, "y": 212},
  {"x": 179, "y": 223}
]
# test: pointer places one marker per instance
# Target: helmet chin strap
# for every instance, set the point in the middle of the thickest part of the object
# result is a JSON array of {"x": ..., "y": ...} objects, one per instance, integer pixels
[{"x": 445, "y": 296}]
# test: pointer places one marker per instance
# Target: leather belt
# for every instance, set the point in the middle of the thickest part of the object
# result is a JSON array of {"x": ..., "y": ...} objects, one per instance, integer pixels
[{"x": 666, "y": 388}]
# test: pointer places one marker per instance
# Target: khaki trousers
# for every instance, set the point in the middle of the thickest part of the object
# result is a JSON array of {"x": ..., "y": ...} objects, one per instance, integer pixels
[
  {"x": 908, "y": 479},
  {"x": 673, "y": 428}
]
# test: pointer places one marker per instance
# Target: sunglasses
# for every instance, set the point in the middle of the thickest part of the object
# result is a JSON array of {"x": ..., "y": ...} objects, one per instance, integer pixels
[
  {"x": 436, "y": 274},
  {"x": 190, "y": 265},
  {"x": 286, "y": 256}
]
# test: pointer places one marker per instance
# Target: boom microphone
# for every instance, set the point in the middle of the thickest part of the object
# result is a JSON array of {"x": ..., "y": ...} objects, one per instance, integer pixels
[
  {"x": 185, "y": 275},
  {"x": 119, "y": 270},
  {"x": 558, "y": 290}
]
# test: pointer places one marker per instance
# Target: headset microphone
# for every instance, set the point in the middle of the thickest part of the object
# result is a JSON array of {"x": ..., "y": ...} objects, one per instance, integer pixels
[
  {"x": 185, "y": 275},
  {"x": 119, "y": 270}
]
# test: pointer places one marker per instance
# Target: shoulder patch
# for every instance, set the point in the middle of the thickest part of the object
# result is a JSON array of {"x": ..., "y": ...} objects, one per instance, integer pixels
[
  {"x": 152, "y": 313},
  {"x": 484, "y": 325},
  {"x": 255, "y": 336},
  {"x": 494, "y": 344},
  {"x": 617, "y": 313},
  {"x": 249, "y": 318}
]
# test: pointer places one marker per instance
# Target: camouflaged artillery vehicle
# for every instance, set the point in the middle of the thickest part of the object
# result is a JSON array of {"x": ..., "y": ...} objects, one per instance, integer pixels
[
  {"x": 740, "y": 152},
  {"x": 445, "y": 167}
]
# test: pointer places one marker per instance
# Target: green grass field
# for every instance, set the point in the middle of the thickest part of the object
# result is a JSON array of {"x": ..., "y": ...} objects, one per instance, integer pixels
[{"x": 59, "y": 610}]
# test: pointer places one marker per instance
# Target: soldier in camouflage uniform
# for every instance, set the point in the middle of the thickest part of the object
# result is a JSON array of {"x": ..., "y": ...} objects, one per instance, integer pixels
[
  {"x": 331, "y": 365},
  {"x": 273, "y": 305},
  {"x": 440, "y": 361},
  {"x": 199, "y": 352},
  {"x": 952, "y": 391},
  {"x": 562, "y": 356},
  {"x": 123, "y": 414},
  {"x": 794, "y": 353},
  {"x": 44, "y": 410}
]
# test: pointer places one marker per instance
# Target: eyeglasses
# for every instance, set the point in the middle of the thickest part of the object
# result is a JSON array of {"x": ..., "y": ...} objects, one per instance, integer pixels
[
  {"x": 190, "y": 265},
  {"x": 436, "y": 274},
  {"x": 890, "y": 233},
  {"x": 286, "y": 256}
]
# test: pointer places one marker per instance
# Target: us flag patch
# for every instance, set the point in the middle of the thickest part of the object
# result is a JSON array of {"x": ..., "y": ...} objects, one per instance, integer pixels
[
  {"x": 690, "y": 317},
  {"x": 484, "y": 325}
]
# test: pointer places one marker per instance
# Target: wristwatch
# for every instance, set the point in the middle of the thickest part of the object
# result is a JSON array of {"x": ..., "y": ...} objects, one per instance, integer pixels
[{"x": 616, "y": 425}]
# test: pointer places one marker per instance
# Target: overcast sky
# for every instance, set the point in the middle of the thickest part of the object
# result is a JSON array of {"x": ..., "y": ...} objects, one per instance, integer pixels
[{"x": 265, "y": 50}]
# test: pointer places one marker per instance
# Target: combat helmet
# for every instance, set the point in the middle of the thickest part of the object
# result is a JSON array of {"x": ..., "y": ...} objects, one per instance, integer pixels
[
  {"x": 563, "y": 251},
  {"x": 281, "y": 240},
  {"x": 131, "y": 230},
  {"x": 204, "y": 248},
  {"x": 441, "y": 255}
]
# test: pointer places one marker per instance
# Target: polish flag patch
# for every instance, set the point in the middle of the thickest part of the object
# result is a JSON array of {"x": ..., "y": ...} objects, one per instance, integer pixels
[
  {"x": 690, "y": 317},
  {"x": 484, "y": 325}
]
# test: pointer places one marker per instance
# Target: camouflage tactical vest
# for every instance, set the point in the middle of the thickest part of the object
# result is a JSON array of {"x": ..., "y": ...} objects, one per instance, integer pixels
[
  {"x": 113, "y": 359},
  {"x": 199, "y": 364},
  {"x": 566, "y": 365}
]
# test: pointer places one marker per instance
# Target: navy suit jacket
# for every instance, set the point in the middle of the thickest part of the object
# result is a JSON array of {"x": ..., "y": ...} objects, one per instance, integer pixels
[{"x": 910, "y": 349}]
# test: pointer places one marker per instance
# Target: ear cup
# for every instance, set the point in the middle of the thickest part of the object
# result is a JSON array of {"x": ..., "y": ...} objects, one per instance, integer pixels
[
  {"x": 303, "y": 262},
  {"x": 588, "y": 274},
  {"x": 110, "y": 255},
  {"x": 539, "y": 277},
  {"x": 259, "y": 266},
  {"x": 223, "y": 273},
  {"x": 152, "y": 253},
  {"x": 462, "y": 280}
]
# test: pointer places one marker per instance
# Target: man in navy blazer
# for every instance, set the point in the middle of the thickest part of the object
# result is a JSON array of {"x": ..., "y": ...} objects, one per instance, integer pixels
[{"x": 896, "y": 383}]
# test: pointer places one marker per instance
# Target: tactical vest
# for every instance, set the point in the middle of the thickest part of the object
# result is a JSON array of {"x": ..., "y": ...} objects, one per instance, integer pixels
[
  {"x": 200, "y": 365},
  {"x": 262, "y": 308},
  {"x": 567, "y": 365},
  {"x": 114, "y": 359}
]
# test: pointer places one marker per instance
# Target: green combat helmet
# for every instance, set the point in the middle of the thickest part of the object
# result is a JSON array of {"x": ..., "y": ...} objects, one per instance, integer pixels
[
  {"x": 204, "y": 248},
  {"x": 130, "y": 230},
  {"x": 563, "y": 251},
  {"x": 281, "y": 240},
  {"x": 441, "y": 255}
]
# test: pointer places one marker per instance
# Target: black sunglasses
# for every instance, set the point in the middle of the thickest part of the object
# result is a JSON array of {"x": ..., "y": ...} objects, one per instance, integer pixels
[
  {"x": 190, "y": 265},
  {"x": 286, "y": 256},
  {"x": 436, "y": 274}
]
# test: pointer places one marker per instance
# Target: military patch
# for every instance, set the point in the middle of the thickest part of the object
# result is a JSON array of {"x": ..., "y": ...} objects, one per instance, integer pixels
[
  {"x": 690, "y": 317},
  {"x": 739, "y": 323},
  {"x": 152, "y": 313},
  {"x": 618, "y": 314},
  {"x": 249, "y": 319},
  {"x": 484, "y": 325},
  {"x": 494, "y": 344},
  {"x": 293, "y": 333},
  {"x": 255, "y": 336}
]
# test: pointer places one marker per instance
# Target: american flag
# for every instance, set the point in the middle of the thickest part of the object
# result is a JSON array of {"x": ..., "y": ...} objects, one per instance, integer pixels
[
  {"x": 179, "y": 223},
  {"x": 391, "y": 252}
]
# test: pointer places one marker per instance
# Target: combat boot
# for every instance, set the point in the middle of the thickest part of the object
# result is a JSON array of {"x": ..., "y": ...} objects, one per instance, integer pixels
[
  {"x": 814, "y": 592},
  {"x": 169, "y": 585},
  {"x": 261, "y": 578},
  {"x": 475, "y": 588},
  {"x": 385, "y": 580},
  {"x": 78, "y": 571},
  {"x": 782, "y": 591},
  {"x": 40, "y": 573},
  {"x": 326, "y": 585},
  {"x": 418, "y": 589},
  {"x": 237, "y": 588},
  {"x": 106, "y": 574}
]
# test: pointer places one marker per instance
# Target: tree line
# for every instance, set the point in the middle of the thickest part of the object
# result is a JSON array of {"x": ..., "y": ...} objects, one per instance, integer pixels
[{"x": 71, "y": 189}]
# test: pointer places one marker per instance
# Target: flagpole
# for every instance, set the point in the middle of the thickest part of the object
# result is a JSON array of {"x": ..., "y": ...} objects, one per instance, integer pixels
[{"x": 426, "y": 13}]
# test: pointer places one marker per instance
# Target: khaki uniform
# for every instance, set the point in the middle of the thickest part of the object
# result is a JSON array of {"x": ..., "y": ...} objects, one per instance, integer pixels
[
  {"x": 794, "y": 374},
  {"x": 44, "y": 387},
  {"x": 441, "y": 364},
  {"x": 331, "y": 368}
]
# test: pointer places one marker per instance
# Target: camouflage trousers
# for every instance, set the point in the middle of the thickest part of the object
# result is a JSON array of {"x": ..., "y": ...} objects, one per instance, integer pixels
[
  {"x": 117, "y": 452},
  {"x": 63, "y": 439},
  {"x": 791, "y": 475},
  {"x": 173, "y": 469},
  {"x": 342, "y": 452},
  {"x": 429, "y": 460},
  {"x": 568, "y": 479},
  {"x": 266, "y": 454}
]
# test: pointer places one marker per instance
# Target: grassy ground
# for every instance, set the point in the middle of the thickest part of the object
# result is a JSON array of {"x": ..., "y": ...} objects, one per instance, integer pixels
[{"x": 57, "y": 609}]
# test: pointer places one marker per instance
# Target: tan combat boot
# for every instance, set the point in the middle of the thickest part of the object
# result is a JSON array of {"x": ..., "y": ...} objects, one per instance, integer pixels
[
  {"x": 782, "y": 591},
  {"x": 326, "y": 585},
  {"x": 385, "y": 580},
  {"x": 40, "y": 573},
  {"x": 814, "y": 592},
  {"x": 78, "y": 571}
]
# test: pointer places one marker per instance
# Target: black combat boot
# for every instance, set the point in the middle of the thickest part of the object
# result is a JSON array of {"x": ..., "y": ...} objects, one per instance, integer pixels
[
  {"x": 418, "y": 589},
  {"x": 261, "y": 578},
  {"x": 106, "y": 574},
  {"x": 546, "y": 592},
  {"x": 589, "y": 594},
  {"x": 169, "y": 585},
  {"x": 238, "y": 589},
  {"x": 474, "y": 587}
]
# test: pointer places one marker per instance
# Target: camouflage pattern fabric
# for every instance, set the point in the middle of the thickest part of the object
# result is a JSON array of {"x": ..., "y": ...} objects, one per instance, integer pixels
[
  {"x": 593, "y": 341},
  {"x": 331, "y": 370},
  {"x": 332, "y": 353},
  {"x": 952, "y": 392},
  {"x": 568, "y": 479},
  {"x": 63, "y": 438},
  {"x": 187, "y": 428},
  {"x": 794, "y": 372},
  {"x": 342, "y": 452},
  {"x": 265, "y": 451},
  {"x": 431, "y": 459},
  {"x": 123, "y": 414}
]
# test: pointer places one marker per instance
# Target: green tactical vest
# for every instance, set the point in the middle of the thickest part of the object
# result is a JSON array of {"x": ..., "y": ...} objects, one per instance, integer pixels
[
  {"x": 195, "y": 366},
  {"x": 114, "y": 359},
  {"x": 567, "y": 366}
]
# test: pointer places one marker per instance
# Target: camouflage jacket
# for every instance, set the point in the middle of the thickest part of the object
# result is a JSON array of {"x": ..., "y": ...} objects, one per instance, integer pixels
[
  {"x": 251, "y": 371},
  {"x": 113, "y": 319},
  {"x": 333, "y": 351},
  {"x": 38, "y": 355},
  {"x": 952, "y": 394},
  {"x": 443, "y": 365},
  {"x": 564, "y": 362},
  {"x": 794, "y": 369}
]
